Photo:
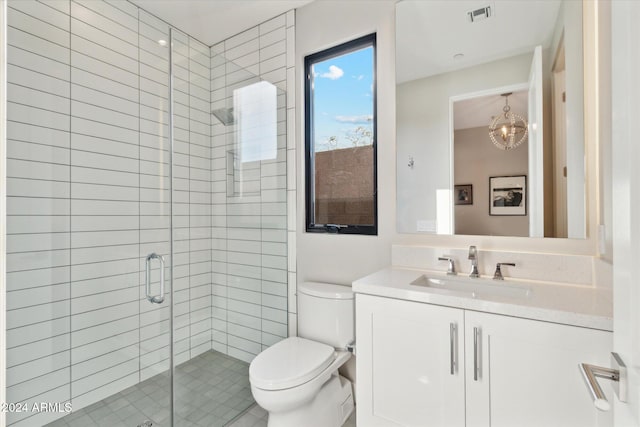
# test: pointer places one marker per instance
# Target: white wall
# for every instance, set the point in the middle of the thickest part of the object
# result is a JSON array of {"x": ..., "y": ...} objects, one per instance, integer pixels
[
  {"x": 475, "y": 161},
  {"x": 424, "y": 129},
  {"x": 320, "y": 25},
  {"x": 340, "y": 259}
]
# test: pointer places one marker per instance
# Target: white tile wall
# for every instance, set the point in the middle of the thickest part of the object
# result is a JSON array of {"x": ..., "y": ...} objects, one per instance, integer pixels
[
  {"x": 200, "y": 241},
  {"x": 88, "y": 199},
  {"x": 249, "y": 213},
  {"x": 39, "y": 238},
  {"x": 104, "y": 182}
]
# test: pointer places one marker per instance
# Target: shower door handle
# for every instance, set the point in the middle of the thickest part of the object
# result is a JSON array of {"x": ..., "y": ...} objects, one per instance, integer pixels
[{"x": 155, "y": 299}]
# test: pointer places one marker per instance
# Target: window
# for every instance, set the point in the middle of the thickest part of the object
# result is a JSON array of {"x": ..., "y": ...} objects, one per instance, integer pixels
[{"x": 340, "y": 139}]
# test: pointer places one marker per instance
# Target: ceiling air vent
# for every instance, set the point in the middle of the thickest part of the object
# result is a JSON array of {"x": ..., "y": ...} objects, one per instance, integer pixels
[{"x": 479, "y": 14}]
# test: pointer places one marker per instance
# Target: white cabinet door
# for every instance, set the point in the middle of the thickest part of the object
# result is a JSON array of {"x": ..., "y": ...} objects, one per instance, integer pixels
[
  {"x": 528, "y": 372},
  {"x": 404, "y": 362}
]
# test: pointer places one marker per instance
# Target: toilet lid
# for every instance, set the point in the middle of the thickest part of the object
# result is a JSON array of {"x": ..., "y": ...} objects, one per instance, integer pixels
[{"x": 289, "y": 363}]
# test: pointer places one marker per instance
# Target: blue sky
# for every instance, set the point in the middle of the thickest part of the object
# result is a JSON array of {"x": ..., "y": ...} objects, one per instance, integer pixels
[{"x": 343, "y": 99}]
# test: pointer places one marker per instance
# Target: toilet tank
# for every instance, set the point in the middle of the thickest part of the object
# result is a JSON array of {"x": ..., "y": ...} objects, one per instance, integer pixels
[{"x": 326, "y": 313}]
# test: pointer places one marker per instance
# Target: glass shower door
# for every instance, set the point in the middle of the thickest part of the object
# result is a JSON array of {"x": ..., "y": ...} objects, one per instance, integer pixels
[
  {"x": 132, "y": 256},
  {"x": 156, "y": 255},
  {"x": 88, "y": 220}
]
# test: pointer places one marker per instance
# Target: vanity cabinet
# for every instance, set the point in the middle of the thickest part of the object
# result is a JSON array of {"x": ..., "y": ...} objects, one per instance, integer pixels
[
  {"x": 405, "y": 362},
  {"x": 512, "y": 372},
  {"x": 527, "y": 372}
]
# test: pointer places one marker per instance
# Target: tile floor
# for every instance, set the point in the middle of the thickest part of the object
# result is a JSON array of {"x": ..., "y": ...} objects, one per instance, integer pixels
[{"x": 211, "y": 390}]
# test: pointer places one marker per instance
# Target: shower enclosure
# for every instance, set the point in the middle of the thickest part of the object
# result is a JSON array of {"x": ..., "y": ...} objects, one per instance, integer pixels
[{"x": 146, "y": 236}]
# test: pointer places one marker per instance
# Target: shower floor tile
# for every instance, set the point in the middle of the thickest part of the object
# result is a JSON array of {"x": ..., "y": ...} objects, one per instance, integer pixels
[{"x": 211, "y": 390}]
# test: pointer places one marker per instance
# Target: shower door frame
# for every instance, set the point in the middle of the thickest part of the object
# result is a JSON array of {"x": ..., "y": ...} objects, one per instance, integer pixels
[
  {"x": 172, "y": 367},
  {"x": 3, "y": 204}
]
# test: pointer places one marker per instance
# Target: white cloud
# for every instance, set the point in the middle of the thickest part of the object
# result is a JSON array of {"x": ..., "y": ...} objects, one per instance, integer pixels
[
  {"x": 354, "y": 119},
  {"x": 334, "y": 73}
]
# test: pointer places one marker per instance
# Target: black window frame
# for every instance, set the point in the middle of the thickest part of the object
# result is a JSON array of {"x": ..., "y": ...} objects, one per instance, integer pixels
[{"x": 339, "y": 50}]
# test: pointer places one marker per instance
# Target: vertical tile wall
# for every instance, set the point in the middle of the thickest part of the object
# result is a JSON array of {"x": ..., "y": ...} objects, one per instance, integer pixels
[
  {"x": 38, "y": 204},
  {"x": 249, "y": 215},
  {"x": 218, "y": 204},
  {"x": 199, "y": 198},
  {"x": 88, "y": 200},
  {"x": 104, "y": 200}
]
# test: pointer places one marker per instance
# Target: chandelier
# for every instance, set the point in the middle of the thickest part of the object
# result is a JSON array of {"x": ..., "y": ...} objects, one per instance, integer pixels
[{"x": 508, "y": 130}]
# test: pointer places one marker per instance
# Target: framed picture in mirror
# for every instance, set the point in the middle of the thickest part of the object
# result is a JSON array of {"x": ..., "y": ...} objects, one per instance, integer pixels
[
  {"x": 508, "y": 195},
  {"x": 463, "y": 194}
]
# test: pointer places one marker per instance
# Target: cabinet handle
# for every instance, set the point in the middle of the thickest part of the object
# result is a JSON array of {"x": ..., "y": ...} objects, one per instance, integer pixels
[
  {"x": 453, "y": 340},
  {"x": 476, "y": 353}
]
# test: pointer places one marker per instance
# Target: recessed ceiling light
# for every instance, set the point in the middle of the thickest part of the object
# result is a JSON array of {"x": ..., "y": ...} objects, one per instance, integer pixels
[
  {"x": 458, "y": 56},
  {"x": 162, "y": 43}
]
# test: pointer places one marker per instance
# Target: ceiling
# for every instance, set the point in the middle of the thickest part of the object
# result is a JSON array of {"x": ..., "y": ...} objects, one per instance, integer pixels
[
  {"x": 430, "y": 33},
  {"x": 478, "y": 112},
  {"x": 212, "y": 21}
]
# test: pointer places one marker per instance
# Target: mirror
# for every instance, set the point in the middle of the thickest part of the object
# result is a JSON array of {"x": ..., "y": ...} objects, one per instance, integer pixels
[{"x": 459, "y": 66}]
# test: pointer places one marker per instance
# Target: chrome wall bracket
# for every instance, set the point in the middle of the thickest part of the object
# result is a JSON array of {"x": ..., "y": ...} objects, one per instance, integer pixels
[{"x": 617, "y": 374}]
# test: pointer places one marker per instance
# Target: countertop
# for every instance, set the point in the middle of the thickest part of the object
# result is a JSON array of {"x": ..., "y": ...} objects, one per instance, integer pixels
[{"x": 582, "y": 306}]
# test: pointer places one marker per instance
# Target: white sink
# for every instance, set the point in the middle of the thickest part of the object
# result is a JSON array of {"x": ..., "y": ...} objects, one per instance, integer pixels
[{"x": 473, "y": 287}]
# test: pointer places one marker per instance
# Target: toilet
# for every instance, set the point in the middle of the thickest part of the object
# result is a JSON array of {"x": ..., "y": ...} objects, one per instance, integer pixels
[{"x": 296, "y": 380}]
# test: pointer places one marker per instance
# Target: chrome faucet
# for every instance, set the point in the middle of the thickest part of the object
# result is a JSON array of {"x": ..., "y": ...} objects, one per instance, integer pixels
[
  {"x": 451, "y": 271},
  {"x": 498, "y": 274},
  {"x": 473, "y": 256}
]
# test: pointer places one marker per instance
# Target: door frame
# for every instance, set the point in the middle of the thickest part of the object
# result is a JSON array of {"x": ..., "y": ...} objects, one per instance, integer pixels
[
  {"x": 535, "y": 146},
  {"x": 625, "y": 88},
  {"x": 515, "y": 87},
  {"x": 559, "y": 138}
]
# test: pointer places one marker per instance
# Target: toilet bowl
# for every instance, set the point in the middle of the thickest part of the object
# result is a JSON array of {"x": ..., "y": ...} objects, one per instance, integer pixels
[{"x": 296, "y": 380}]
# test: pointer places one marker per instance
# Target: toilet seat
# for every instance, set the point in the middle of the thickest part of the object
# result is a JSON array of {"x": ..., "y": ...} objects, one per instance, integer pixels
[{"x": 289, "y": 363}]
